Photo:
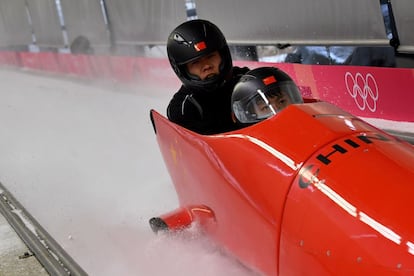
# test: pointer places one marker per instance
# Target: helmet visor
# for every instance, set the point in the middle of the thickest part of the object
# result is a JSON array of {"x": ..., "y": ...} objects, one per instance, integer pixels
[{"x": 264, "y": 104}]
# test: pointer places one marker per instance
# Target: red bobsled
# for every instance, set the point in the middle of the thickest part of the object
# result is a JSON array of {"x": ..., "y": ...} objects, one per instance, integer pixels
[{"x": 312, "y": 190}]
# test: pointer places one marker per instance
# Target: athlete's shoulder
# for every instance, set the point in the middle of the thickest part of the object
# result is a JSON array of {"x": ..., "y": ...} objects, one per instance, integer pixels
[{"x": 240, "y": 70}]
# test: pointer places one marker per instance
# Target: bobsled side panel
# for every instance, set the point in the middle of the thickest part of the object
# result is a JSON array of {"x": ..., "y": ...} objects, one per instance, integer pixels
[
  {"x": 200, "y": 179},
  {"x": 349, "y": 210},
  {"x": 244, "y": 176}
]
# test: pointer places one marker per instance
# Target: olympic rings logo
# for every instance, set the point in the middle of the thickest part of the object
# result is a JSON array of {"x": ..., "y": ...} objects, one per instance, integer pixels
[{"x": 364, "y": 91}]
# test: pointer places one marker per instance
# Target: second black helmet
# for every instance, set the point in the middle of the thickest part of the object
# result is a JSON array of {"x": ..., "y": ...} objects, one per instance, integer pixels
[{"x": 263, "y": 92}]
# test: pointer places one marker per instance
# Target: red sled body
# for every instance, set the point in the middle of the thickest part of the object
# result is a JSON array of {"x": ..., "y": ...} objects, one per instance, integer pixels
[{"x": 311, "y": 191}]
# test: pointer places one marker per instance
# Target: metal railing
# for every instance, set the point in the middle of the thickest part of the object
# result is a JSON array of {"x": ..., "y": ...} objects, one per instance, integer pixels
[{"x": 47, "y": 251}]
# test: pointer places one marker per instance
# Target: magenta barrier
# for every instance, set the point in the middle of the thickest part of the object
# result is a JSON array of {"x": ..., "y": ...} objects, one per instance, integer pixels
[
  {"x": 9, "y": 59},
  {"x": 124, "y": 69},
  {"x": 159, "y": 71},
  {"x": 101, "y": 67},
  {"x": 30, "y": 60},
  {"x": 371, "y": 92},
  {"x": 49, "y": 62},
  {"x": 385, "y": 93},
  {"x": 76, "y": 65}
]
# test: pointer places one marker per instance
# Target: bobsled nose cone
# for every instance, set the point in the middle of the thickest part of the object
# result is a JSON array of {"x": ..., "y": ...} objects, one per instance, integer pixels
[{"x": 158, "y": 224}]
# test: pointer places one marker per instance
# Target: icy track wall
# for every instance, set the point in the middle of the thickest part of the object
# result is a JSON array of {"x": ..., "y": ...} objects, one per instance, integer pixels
[{"x": 371, "y": 92}]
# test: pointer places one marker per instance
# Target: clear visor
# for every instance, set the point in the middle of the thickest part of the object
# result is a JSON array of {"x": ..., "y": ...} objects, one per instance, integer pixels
[{"x": 262, "y": 105}]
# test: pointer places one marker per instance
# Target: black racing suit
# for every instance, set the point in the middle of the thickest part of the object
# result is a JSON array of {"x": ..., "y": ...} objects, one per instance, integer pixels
[{"x": 205, "y": 112}]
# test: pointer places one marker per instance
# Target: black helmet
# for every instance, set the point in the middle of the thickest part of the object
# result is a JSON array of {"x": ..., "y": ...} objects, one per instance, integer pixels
[
  {"x": 194, "y": 39},
  {"x": 261, "y": 93}
]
